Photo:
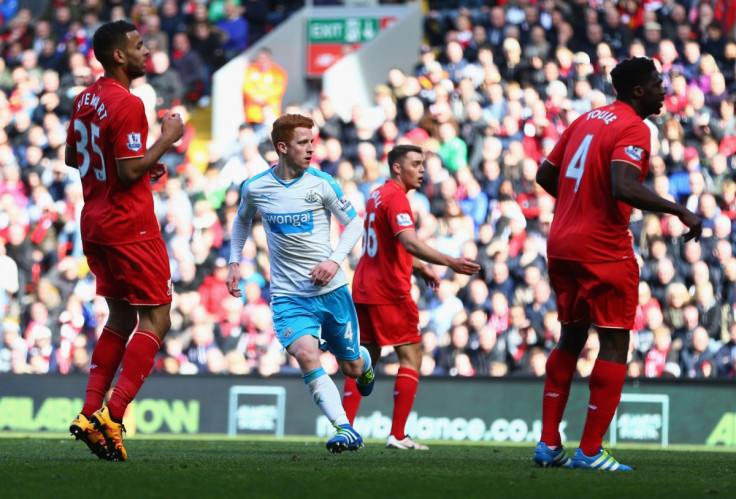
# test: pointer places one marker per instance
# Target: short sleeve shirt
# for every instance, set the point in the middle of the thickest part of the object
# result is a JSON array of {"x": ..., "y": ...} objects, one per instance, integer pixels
[
  {"x": 383, "y": 275},
  {"x": 589, "y": 224},
  {"x": 109, "y": 123}
]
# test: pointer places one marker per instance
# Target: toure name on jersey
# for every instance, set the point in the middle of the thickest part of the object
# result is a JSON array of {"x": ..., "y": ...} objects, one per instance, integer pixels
[
  {"x": 607, "y": 116},
  {"x": 290, "y": 223},
  {"x": 90, "y": 99}
]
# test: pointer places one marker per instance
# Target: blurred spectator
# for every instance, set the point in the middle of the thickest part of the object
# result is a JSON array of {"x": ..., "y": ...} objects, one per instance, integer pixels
[
  {"x": 543, "y": 302},
  {"x": 213, "y": 291},
  {"x": 520, "y": 337},
  {"x": 12, "y": 345},
  {"x": 188, "y": 64},
  {"x": 660, "y": 353},
  {"x": 236, "y": 363},
  {"x": 536, "y": 362},
  {"x": 202, "y": 334},
  {"x": 145, "y": 92},
  {"x": 176, "y": 157},
  {"x": 264, "y": 85},
  {"x": 725, "y": 357},
  {"x": 247, "y": 163},
  {"x": 256, "y": 12},
  {"x": 165, "y": 81},
  {"x": 18, "y": 247},
  {"x": 10, "y": 283},
  {"x": 172, "y": 19},
  {"x": 326, "y": 118},
  {"x": 696, "y": 356},
  {"x": 235, "y": 27},
  {"x": 453, "y": 150},
  {"x": 444, "y": 306},
  {"x": 709, "y": 311},
  {"x": 154, "y": 38},
  {"x": 206, "y": 40},
  {"x": 491, "y": 348},
  {"x": 635, "y": 369},
  {"x": 459, "y": 344}
]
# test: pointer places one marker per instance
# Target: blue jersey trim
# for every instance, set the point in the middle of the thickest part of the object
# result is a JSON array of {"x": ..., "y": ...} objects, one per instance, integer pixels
[
  {"x": 252, "y": 179},
  {"x": 327, "y": 178}
]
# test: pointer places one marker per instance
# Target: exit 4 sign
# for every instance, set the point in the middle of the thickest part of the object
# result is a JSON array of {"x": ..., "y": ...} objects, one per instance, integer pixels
[
  {"x": 351, "y": 30},
  {"x": 329, "y": 39}
]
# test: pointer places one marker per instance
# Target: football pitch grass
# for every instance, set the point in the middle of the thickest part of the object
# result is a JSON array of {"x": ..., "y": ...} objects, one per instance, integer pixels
[{"x": 57, "y": 466}]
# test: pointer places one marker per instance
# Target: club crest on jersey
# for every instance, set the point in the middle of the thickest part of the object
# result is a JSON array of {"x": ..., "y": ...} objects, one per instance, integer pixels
[
  {"x": 288, "y": 332},
  {"x": 134, "y": 142},
  {"x": 635, "y": 153},
  {"x": 311, "y": 197},
  {"x": 403, "y": 220}
]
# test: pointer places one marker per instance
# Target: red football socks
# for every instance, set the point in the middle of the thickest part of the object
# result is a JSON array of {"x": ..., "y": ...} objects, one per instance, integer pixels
[
  {"x": 351, "y": 399},
  {"x": 106, "y": 358},
  {"x": 405, "y": 390},
  {"x": 137, "y": 364},
  {"x": 606, "y": 383},
  {"x": 560, "y": 371}
]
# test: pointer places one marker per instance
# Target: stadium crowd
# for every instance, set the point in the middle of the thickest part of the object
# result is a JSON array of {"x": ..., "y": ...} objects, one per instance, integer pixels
[{"x": 493, "y": 88}]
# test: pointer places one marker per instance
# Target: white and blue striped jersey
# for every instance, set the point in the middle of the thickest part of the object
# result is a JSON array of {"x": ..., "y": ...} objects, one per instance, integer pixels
[{"x": 296, "y": 217}]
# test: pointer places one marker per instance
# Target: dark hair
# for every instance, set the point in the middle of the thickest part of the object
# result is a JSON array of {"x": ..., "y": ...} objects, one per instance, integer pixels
[
  {"x": 283, "y": 127},
  {"x": 400, "y": 151},
  {"x": 108, "y": 37},
  {"x": 631, "y": 73}
]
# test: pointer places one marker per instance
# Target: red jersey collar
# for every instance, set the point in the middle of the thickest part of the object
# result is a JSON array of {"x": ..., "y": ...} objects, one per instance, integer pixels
[
  {"x": 397, "y": 185},
  {"x": 114, "y": 82}
]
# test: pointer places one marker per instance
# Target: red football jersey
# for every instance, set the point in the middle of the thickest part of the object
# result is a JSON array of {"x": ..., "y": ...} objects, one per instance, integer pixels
[
  {"x": 589, "y": 224},
  {"x": 383, "y": 275},
  {"x": 109, "y": 123}
]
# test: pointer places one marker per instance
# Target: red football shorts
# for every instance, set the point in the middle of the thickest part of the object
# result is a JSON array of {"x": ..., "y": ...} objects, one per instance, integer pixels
[
  {"x": 137, "y": 272},
  {"x": 604, "y": 294},
  {"x": 389, "y": 325}
]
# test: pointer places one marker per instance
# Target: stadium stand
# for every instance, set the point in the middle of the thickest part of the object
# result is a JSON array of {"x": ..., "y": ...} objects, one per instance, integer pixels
[{"x": 493, "y": 88}]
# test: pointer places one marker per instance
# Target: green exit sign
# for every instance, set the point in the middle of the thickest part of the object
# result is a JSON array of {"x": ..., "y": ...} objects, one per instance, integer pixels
[{"x": 350, "y": 30}]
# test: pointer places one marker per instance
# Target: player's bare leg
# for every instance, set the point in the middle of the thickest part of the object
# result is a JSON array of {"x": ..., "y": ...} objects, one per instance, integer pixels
[{"x": 360, "y": 369}]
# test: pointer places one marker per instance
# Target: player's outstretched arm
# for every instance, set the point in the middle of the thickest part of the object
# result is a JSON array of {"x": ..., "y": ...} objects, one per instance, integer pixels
[
  {"x": 627, "y": 188},
  {"x": 417, "y": 248},
  {"x": 464, "y": 265}
]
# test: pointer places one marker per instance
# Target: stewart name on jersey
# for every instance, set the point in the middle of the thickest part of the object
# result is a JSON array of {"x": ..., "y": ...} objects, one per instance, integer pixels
[{"x": 109, "y": 123}]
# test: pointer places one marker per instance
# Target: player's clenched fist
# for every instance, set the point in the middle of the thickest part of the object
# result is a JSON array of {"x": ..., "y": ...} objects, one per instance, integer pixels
[{"x": 172, "y": 126}]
